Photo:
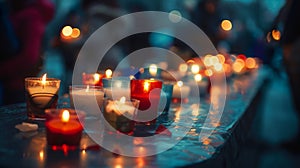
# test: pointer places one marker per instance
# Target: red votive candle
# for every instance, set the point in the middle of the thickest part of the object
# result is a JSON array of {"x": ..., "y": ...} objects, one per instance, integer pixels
[
  {"x": 148, "y": 93},
  {"x": 92, "y": 79},
  {"x": 64, "y": 127}
]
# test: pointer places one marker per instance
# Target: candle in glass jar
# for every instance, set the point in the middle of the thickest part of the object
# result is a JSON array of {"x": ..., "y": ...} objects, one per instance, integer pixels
[
  {"x": 84, "y": 96},
  {"x": 64, "y": 127}
]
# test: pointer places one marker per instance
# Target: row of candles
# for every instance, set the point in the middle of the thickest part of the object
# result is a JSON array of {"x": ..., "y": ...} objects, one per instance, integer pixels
[{"x": 124, "y": 101}]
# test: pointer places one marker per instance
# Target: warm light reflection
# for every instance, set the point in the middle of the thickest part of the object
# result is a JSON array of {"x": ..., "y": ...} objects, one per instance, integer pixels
[
  {"x": 206, "y": 141},
  {"x": 153, "y": 69},
  {"x": 108, "y": 73},
  {"x": 183, "y": 68},
  {"x": 190, "y": 61},
  {"x": 140, "y": 162},
  {"x": 250, "y": 63},
  {"x": 65, "y": 116},
  {"x": 214, "y": 60},
  {"x": 67, "y": 31},
  {"x": 276, "y": 34},
  {"x": 41, "y": 155},
  {"x": 195, "y": 68},
  {"x": 198, "y": 77},
  {"x": 75, "y": 33},
  {"x": 226, "y": 25},
  {"x": 44, "y": 79},
  {"x": 131, "y": 77}
]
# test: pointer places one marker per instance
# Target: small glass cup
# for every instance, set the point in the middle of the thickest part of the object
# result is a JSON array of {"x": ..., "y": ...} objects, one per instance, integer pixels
[
  {"x": 83, "y": 97},
  {"x": 116, "y": 87},
  {"x": 120, "y": 114},
  {"x": 40, "y": 95},
  {"x": 148, "y": 93},
  {"x": 64, "y": 127}
]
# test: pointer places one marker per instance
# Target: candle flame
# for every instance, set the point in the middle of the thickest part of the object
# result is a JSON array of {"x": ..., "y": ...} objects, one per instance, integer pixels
[
  {"x": 87, "y": 88},
  {"x": 198, "y": 77},
  {"x": 146, "y": 86},
  {"x": 96, "y": 77},
  {"x": 153, "y": 70},
  {"x": 41, "y": 153},
  {"x": 123, "y": 100},
  {"x": 131, "y": 77},
  {"x": 179, "y": 83},
  {"x": 65, "y": 116},
  {"x": 108, "y": 73},
  {"x": 44, "y": 79}
]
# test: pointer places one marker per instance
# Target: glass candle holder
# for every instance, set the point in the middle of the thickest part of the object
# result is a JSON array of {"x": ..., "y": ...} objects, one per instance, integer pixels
[
  {"x": 148, "y": 93},
  {"x": 83, "y": 97},
  {"x": 120, "y": 114},
  {"x": 117, "y": 87},
  {"x": 92, "y": 79},
  {"x": 40, "y": 93},
  {"x": 64, "y": 127},
  {"x": 166, "y": 97}
]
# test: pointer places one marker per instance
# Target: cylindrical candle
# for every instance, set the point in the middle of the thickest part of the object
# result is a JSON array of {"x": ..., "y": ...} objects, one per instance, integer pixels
[
  {"x": 82, "y": 97},
  {"x": 148, "y": 93},
  {"x": 64, "y": 127},
  {"x": 41, "y": 93}
]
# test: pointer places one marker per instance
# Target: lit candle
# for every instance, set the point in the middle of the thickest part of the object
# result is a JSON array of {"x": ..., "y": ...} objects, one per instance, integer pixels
[
  {"x": 92, "y": 79},
  {"x": 64, "y": 127},
  {"x": 41, "y": 93},
  {"x": 108, "y": 73},
  {"x": 181, "y": 91},
  {"x": 148, "y": 93},
  {"x": 153, "y": 70},
  {"x": 120, "y": 113},
  {"x": 83, "y": 97}
]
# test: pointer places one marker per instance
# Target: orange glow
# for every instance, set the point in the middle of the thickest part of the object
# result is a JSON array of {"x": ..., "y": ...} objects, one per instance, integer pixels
[
  {"x": 241, "y": 56},
  {"x": 206, "y": 141},
  {"x": 146, "y": 86},
  {"x": 276, "y": 35},
  {"x": 75, "y": 33},
  {"x": 195, "y": 68},
  {"x": 67, "y": 31},
  {"x": 227, "y": 68},
  {"x": 238, "y": 65},
  {"x": 44, "y": 79},
  {"x": 108, "y": 73},
  {"x": 41, "y": 154},
  {"x": 65, "y": 116},
  {"x": 221, "y": 58},
  {"x": 208, "y": 72},
  {"x": 190, "y": 62},
  {"x": 140, "y": 162},
  {"x": 226, "y": 25},
  {"x": 250, "y": 63}
]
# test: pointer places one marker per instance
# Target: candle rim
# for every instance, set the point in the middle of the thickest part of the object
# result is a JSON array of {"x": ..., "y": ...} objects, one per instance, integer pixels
[{"x": 40, "y": 79}]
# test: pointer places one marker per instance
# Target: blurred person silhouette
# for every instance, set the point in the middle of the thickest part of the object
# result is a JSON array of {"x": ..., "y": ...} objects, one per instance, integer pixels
[
  {"x": 291, "y": 57},
  {"x": 29, "y": 19}
]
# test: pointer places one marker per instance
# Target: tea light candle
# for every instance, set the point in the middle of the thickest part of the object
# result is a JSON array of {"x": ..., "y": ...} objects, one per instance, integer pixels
[
  {"x": 92, "y": 79},
  {"x": 120, "y": 113},
  {"x": 64, "y": 127},
  {"x": 180, "y": 90},
  {"x": 83, "y": 96}
]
